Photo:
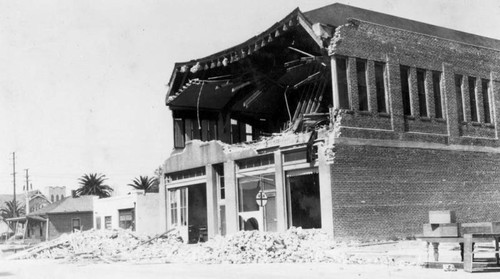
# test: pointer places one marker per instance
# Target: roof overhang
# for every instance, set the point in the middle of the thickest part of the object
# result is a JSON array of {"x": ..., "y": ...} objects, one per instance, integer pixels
[
  {"x": 23, "y": 218},
  {"x": 186, "y": 92}
]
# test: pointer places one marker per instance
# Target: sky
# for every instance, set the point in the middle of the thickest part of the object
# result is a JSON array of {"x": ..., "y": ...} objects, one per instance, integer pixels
[{"x": 83, "y": 83}]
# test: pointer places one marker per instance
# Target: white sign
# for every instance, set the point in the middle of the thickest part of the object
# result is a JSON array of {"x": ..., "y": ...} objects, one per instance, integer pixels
[{"x": 261, "y": 199}]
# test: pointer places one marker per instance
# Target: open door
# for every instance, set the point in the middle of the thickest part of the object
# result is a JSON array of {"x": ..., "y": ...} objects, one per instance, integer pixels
[{"x": 188, "y": 212}]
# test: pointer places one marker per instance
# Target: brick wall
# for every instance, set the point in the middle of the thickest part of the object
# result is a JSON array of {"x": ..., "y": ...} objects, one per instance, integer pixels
[
  {"x": 383, "y": 192},
  {"x": 397, "y": 47},
  {"x": 61, "y": 223}
]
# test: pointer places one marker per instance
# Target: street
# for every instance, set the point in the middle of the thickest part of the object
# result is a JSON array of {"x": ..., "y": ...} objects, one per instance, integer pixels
[{"x": 53, "y": 269}]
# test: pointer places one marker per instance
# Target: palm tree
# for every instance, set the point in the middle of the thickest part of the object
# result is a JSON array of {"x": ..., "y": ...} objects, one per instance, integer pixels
[
  {"x": 146, "y": 183},
  {"x": 93, "y": 184},
  {"x": 11, "y": 209}
]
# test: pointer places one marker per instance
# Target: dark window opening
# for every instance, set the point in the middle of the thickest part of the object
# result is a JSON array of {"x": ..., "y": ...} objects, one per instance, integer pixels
[
  {"x": 304, "y": 203},
  {"x": 209, "y": 128},
  {"x": 486, "y": 100},
  {"x": 219, "y": 170},
  {"x": 186, "y": 173},
  {"x": 256, "y": 161},
  {"x": 362, "y": 88},
  {"x": 436, "y": 84},
  {"x": 295, "y": 155},
  {"x": 422, "y": 102},
  {"x": 380, "y": 86},
  {"x": 178, "y": 133},
  {"x": 197, "y": 213},
  {"x": 75, "y": 224},
  {"x": 344, "y": 102},
  {"x": 458, "y": 92},
  {"x": 235, "y": 131},
  {"x": 126, "y": 218},
  {"x": 472, "y": 98},
  {"x": 188, "y": 129},
  {"x": 405, "y": 89}
]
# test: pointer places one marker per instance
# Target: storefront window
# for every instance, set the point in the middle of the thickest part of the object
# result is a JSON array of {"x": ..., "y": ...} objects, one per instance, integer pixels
[{"x": 251, "y": 215}]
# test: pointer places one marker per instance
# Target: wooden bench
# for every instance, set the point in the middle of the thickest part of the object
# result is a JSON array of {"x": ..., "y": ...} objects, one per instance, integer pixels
[{"x": 469, "y": 250}]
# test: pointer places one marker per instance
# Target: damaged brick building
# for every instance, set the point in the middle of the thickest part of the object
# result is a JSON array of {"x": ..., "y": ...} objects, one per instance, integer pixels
[{"x": 339, "y": 118}]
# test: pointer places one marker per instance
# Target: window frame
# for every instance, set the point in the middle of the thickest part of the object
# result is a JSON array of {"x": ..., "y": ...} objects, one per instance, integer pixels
[
  {"x": 474, "y": 112},
  {"x": 438, "y": 94},
  {"x": 362, "y": 88},
  {"x": 422, "y": 92},
  {"x": 73, "y": 228},
  {"x": 486, "y": 100},
  {"x": 381, "y": 87}
]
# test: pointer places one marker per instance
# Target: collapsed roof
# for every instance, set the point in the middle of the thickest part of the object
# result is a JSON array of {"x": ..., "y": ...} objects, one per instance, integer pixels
[{"x": 284, "y": 72}]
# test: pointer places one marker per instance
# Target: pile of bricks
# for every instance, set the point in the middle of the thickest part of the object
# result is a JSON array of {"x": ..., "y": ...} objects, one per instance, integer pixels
[{"x": 292, "y": 246}]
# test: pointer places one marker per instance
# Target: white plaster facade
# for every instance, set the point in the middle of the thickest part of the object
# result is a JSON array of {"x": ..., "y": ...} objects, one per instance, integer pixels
[{"x": 144, "y": 206}]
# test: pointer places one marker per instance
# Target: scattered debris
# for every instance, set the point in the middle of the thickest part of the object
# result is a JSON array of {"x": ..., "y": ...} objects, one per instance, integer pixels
[
  {"x": 449, "y": 267},
  {"x": 293, "y": 245}
]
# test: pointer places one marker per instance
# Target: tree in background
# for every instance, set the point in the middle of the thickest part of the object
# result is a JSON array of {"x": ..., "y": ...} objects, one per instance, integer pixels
[
  {"x": 93, "y": 184},
  {"x": 146, "y": 183},
  {"x": 10, "y": 210}
]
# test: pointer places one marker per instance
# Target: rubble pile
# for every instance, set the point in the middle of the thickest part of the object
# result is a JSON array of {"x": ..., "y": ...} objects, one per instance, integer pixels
[
  {"x": 105, "y": 245},
  {"x": 293, "y": 246}
]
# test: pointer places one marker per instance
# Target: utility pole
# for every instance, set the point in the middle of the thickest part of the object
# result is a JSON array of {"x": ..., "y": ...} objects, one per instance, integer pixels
[
  {"x": 27, "y": 194},
  {"x": 14, "y": 181}
]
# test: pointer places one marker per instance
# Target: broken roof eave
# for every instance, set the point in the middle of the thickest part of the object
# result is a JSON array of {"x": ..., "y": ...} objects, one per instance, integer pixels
[{"x": 295, "y": 18}]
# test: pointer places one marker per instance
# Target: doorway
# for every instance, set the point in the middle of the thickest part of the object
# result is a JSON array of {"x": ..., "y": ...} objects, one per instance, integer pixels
[
  {"x": 303, "y": 199},
  {"x": 188, "y": 212}
]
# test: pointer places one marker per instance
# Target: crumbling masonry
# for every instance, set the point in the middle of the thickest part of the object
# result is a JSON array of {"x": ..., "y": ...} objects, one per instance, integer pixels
[{"x": 339, "y": 118}]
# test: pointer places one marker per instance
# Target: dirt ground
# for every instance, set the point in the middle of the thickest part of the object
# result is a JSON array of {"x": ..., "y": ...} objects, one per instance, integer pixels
[{"x": 41, "y": 269}]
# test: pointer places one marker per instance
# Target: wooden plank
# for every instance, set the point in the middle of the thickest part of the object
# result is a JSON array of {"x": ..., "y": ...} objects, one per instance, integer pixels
[
  {"x": 442, "y": 217},
  {"x": 319, "y": 96},
  {"x": 311, "y": 98},
  {"x": 439, "y": 230}
]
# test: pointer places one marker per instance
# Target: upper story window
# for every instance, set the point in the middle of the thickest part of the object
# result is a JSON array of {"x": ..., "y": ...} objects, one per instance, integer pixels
[
  {"x": 259, "y": 161},
  {"x": 362, "y": 87},
  {"x": 178, "y": 133},
  {"x": 436, "y": 86},
  {"x": 458, "y": 92},
  {"x": 219, "y": 171},
  {"x": 405, "y": 89},
  {"x": 235, "y": 131},
  {"x": 343, "y": 93},
  {"x": 186, "y": 129},
  {"x": 185, "y": 174},
  {"x": 485, "y": 86},
  {"x": 422, "y": 102},
  {"x": 380, "y": 77},
  {"x": 472, "y": 99}
]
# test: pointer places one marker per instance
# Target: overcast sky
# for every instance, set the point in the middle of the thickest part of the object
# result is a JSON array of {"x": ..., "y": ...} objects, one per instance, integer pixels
[{"x": 83, "y": 83}]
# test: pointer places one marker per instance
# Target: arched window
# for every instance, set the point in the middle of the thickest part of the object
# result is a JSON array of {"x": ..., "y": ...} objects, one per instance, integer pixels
[
  {"x": 51, "y": 198},
  {"x": 57, "y": 197}
]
